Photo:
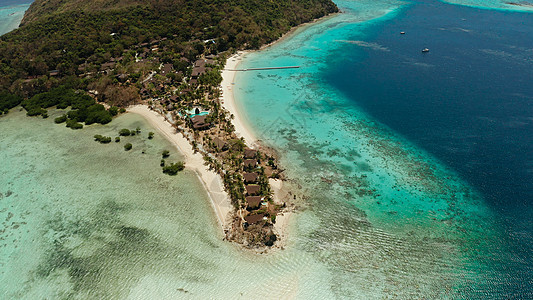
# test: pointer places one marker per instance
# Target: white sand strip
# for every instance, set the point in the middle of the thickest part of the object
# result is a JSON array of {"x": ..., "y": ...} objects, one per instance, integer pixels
[{"x": 228, "y": 100}]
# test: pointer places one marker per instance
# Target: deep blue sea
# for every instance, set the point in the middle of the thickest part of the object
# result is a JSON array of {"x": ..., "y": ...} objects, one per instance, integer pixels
[{"x": 468, "y": 102}]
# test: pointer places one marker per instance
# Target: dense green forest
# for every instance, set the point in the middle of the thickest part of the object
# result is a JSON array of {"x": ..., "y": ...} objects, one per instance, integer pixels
[{"x": 61, "y": 35}]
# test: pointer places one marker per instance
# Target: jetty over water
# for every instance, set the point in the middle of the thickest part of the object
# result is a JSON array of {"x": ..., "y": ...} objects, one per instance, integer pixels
[{"x": 265, "y": 68}]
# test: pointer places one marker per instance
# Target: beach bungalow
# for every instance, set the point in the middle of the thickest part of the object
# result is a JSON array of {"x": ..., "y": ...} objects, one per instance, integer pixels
[
  {"x": 199, "y": 63},
  {"x": 253, "y": 219},
  {"x": 254, "y": 202},
  {"x": 250, "y": 177},
  {"x": 253, "y": 189},
  {"x": 145, "y": 93},
  {"x": 219, "y": 144},
  {"x": 166, "y": 69},
  {"x": 249, "y": 153},
  {"x": 199, "y": 122},
  {"x": 250, "y": 163},
  {"x": 197, "y": 71}
]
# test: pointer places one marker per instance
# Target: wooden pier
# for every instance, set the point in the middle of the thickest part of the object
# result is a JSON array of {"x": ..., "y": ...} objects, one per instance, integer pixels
[{"x": 265, "y": 68}]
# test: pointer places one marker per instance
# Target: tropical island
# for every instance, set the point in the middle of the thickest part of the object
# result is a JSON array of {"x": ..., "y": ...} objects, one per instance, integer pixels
[{"x": 165, "y": 57}]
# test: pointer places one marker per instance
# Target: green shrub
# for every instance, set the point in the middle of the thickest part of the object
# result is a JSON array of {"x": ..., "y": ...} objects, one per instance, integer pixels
[
  {"x": 270, "y": 239},
  {"x": 72, "y": 124},
  {"x": 102, "y": 139},
  {"x": 84, "y": 108},
  {"x": 162, "y": 164},
  {"x": 35, "y": 111},
  {"x": 8, "y": 101},
  {"x": 150, "y": 135},
  {"x": 113, "y": 110},
  {"x": 117, "y": 139},
  {"x": 124, "y": 132},
  {"x": 174, "y": 168},
  {"x": 128, "y": 147},
  {"x": 165, "y": 154},
  {"x": 60, "y": 119}
]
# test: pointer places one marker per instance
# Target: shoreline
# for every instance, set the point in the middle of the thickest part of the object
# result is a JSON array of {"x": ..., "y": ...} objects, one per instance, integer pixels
[
  {"x": 220, "y": 200},
  {"x": 242, "y": 130},
  {"x": 228, "y": 81}
]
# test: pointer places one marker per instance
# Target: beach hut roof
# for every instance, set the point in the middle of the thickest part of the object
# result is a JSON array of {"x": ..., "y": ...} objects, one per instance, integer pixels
[
  {"x": 250, "y": 162},
  {"x": 253, "y": 189},
  {"x": 254, "y": 202},
  {"x": 197, "y": 71},
  {"x": 252, "y": 219},
  {"x": 108, "y": 65},
  {"x": 250, "y": 177},
  {"x": 219, "y": 144},
  {"x": 199, "y": 63},
  {"x": 249, "y": 153},
  {"x": 198, "y": 122}
]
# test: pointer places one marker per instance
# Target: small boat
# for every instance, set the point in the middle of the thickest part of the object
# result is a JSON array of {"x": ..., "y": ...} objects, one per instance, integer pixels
[
  {"x": 425, "y": 50},
  {"x": 402, "y": 32}
]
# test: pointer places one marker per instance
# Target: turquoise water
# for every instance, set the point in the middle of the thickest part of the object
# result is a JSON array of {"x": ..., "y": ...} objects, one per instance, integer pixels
[
  {"x": 11, "y": 13},
  {"x": 385, "y": 210},
  {"x": 496, "y": 4},
  {"x": 383, "y": 216},
  {"x": 82, "y": 220},
  {"x": 203, "y": 113}
]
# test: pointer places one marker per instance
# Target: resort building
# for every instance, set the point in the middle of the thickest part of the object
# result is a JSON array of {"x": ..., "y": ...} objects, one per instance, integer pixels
[
  {"x": 254, "y": 202},
  {"x": 250, "y": 153},
  {"x": 250, "y": 163},
  {"x": 219, "y": 144},
  {"x": 253, "y": 190},
  {"x": 252, "y": 219},
  {"x": 250, "y": 177},
  {"x": 199, "y": 122}
]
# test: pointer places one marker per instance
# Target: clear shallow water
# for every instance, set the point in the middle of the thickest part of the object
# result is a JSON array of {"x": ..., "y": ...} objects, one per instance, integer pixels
[
  {"x": 11, "y": 13},
  {"x": 402, "y": 160},
  {"x": 90, "y": 221}
]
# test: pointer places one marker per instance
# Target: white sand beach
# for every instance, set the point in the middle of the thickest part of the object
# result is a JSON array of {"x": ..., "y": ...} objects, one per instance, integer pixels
[
  {"x": 228, "y": 77},
  {"x": 220, "y": 200}
]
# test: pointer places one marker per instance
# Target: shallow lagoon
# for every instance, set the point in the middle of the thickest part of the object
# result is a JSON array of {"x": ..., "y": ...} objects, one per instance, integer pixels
[{"x": 86, "y": 220}]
